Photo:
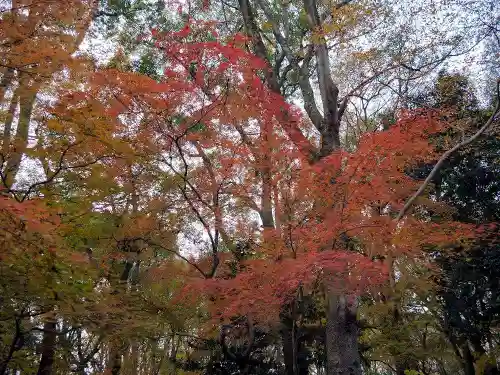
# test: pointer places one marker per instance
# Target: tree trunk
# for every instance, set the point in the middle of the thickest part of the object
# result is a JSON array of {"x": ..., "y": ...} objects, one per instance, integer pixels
[
  {"x": 303, "y": 361},
  {"x": 132, "y": 361},
  {"x": 114, "y": 364},
  {"x": 342, "y": 331},
  {"x": 287, "y": 342},
  {"x": 489, "y": 367},
  {"x": 468, "y": 360},
  {"x": 27, "y": 98},
  {"x": 48, "y": 348},
  {"x": 330, "y": 125},
  {"x": 7, "y": 77},
  {"x": 342, "y": 355},
  {"x": 7, "y": 130},
  {"x": 15, "y": 345}
]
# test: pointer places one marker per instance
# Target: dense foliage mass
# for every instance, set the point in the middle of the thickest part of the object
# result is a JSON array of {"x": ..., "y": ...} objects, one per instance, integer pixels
[{"x": 249, "y": 187}]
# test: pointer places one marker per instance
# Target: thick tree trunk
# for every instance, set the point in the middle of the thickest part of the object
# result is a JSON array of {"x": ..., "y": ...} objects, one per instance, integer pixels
[
  {"x": 287, "y": 343},
  {"x": 342, "y": 355},
  {"x": 48, "y": 348},
  {"x": 330, "y": 124}
]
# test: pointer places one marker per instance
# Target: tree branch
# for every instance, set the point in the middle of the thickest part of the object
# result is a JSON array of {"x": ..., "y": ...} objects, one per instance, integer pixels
[{"x": 445, "y": 156}]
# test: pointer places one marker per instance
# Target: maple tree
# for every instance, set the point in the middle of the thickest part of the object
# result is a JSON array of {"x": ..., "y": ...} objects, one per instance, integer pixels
[
  {"x": 38, "y": 42},
  {"x": 208, "y": 191},
  {"x": 291, "y": 53},
  {"x": 422, "y": 290},
  {"x": 177, "y": 201}
]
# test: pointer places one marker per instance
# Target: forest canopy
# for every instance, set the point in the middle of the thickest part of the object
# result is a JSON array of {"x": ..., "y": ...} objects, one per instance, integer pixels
[{"x": 293, "y": 187}]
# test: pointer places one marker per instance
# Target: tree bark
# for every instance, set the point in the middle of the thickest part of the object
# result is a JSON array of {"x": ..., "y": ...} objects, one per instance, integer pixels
[
  {"x": 330, "y": 125},
  {"x": 48, "y": 348},
  {"x": 287, "y": 344},
  {"x": 490, "y": 367},
  {"x": 114, "y": 364},
  {"x": 7, "y": 130},
  {"x": 132, "y": 360},
  {"x": 342, "y": 355},
  {"x": 271, "y": 77}
]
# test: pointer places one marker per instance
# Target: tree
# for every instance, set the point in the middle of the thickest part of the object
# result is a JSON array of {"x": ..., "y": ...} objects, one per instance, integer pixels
[
  {"x": 201, "y": 80},
  {"x": 292, "y": 46},
  {"x": 467, "y": 183},
  {"x": 38, "y": 41},
  {"x": 423, "y": 335},
  {"x": 199, "y": 221}
]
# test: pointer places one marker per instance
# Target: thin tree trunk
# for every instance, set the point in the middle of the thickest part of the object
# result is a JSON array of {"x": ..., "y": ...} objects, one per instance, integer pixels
[
  {"x": 115, "y": 356},
  {"x": 117, "y": 347},
  {"x": 133, "y": 359},
  {"x": 8, "y": 76},
  {"x": 271, "y": 75},
  {"x": 266, "y": 197},
  {"x": 114, "y": 364},
  {"x": 7, "y": 129},
  {"x": 14, "y": 346},
  {"x": 27, "y": 97}
]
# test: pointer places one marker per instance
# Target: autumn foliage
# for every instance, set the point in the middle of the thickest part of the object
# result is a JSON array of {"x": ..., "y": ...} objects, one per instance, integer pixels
[
  {"x": 198, "y": 175},
  {"x": 206, "y": 131}
]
